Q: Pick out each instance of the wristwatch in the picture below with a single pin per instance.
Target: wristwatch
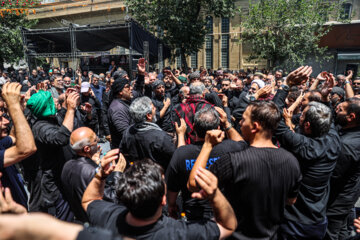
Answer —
(97, 173)
(285, 87)
(346, 82)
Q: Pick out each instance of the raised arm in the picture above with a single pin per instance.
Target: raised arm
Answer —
(95, 189)
(212, 138)
(348, 89)
(223, 212)
(25, 143)
(181, 131)
(72, 101)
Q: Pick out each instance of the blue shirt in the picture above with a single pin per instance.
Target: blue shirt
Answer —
(11, 178)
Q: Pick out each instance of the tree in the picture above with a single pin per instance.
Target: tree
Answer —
(181, 24)
(286, 32)
(12, 18)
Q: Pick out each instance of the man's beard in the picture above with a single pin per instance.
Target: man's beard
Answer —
(93, 149)
(341, 120)
(154, 119)
(168, 85)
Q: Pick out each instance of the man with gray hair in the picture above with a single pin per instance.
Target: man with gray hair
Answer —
(145, 139)
(317, 147)
(188, 109)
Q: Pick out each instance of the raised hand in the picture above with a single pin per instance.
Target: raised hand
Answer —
(7, 204)
(108, 163)
(222, 114)
(214, 137)
(207, 182)
(181, 130)
(263, 92)
(299, 76)
(11, 93)
(72, 100)
(328, 85)
(141, 66)
(121, 164)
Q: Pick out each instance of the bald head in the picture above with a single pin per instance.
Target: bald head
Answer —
(81, 137)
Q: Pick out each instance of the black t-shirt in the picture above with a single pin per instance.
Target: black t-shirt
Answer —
(257, 182)
(11, 178)
(111, 216)
(179, 169)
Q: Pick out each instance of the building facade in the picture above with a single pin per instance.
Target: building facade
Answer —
(222, 47)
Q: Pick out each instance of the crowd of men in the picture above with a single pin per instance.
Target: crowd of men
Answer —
(194, 155)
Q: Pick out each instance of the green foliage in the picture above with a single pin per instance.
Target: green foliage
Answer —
(286, 32)
(12, 18)
(181, 22)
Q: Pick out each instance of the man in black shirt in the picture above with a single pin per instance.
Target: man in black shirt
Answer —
(345, 180)
(145, 139)
(184, 158)
(142, 191)
(259, 180)
(317, 148)
(50, 139)
(163, 106)
(78, 172)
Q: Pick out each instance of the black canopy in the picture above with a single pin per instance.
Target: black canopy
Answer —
(58, 41)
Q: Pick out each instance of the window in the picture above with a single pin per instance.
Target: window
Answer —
(194, 60)
(178, 60)
(209, 43)
(225, 27)
(346, 11)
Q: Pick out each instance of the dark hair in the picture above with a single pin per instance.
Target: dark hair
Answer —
(206, 119)
(294, 95)
(319, 117)
(54, 76)
(141, 188)
(314, 97)
(354, 107)
(266, 114)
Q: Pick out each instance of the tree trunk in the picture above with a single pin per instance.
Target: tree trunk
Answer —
(184, 62)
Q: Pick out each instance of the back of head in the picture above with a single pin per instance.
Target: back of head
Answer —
(206, 119)
(197, 88)
(319, 117)
(314, 96)
(266, 114)
(139, 108)
(141, 188)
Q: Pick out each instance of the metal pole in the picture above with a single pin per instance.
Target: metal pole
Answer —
(73, 46)
(146, 54)
(130, 50)
(25, 47)
(160, 57)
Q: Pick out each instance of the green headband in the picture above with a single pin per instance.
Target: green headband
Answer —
(41, 104)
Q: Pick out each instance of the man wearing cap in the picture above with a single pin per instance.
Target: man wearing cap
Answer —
(88, 98)
(337, 96)
(44, 170)
(194, 77)
(257, 90)
(120, 97)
